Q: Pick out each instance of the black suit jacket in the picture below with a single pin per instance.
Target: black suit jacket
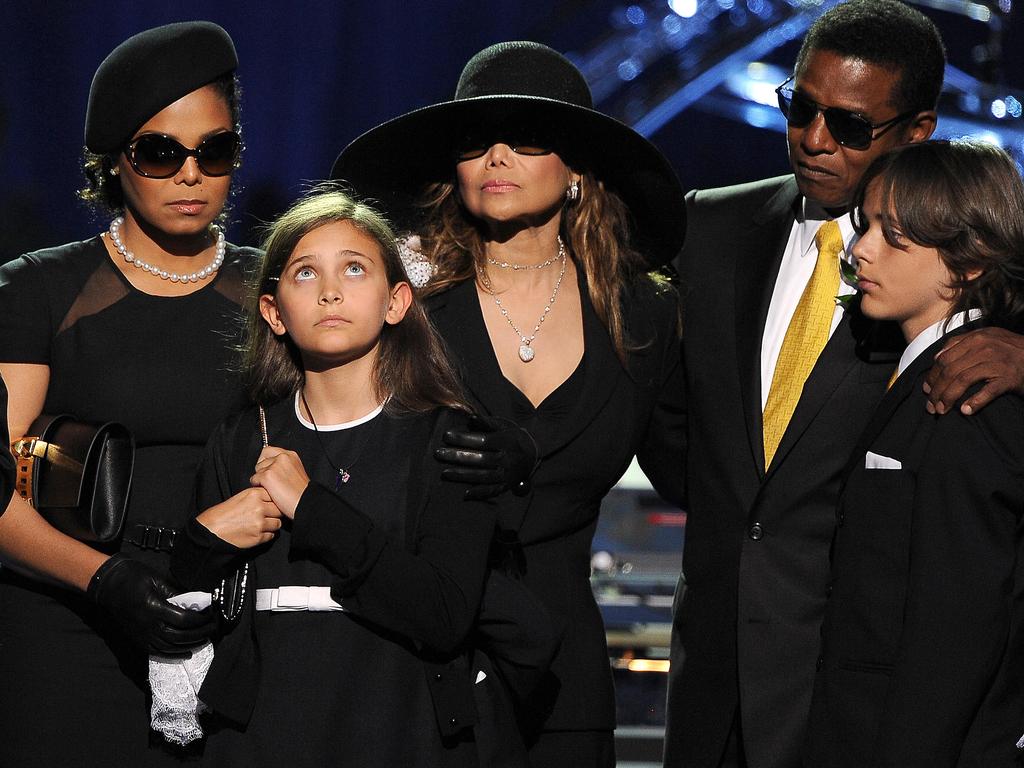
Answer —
(922, 636)
(620, 413)
(752, 593)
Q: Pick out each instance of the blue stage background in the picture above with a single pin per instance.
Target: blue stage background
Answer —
(314, 76)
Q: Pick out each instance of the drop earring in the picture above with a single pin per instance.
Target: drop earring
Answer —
(572, 194)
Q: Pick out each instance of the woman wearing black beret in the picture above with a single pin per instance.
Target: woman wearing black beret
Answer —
(135, 325)
(539, 219)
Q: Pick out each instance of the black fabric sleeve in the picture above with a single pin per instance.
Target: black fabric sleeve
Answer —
(26, 324)
(429, 594)
(6, 459)
(662, 453)
(519, 636)
(200, 559)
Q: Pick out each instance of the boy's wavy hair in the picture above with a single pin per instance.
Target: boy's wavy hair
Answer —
(965, 199)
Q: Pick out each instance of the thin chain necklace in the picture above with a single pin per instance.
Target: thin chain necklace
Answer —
(341, 473)
(516, 267)
(163, 274)
(526, 351)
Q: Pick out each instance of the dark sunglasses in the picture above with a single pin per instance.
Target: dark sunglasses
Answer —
(848, 128)
(473, 147)
(159, 157)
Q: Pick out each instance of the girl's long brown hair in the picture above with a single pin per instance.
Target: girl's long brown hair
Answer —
(412, 367)
(596, 230)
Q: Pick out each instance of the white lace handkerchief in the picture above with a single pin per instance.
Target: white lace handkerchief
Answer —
(175, 682)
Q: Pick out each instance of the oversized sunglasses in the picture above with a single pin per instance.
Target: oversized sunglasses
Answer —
(848, 128)
(473, 147)
(159, 157)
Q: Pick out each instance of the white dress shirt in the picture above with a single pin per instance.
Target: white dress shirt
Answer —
(798, 261)
(933, 333)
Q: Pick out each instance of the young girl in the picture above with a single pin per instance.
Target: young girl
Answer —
(362, 572)
(921, 662)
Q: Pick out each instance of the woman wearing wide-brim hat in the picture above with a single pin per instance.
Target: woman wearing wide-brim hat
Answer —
(135, 325)
(540, 219)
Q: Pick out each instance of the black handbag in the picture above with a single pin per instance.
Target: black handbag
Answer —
(77, 475)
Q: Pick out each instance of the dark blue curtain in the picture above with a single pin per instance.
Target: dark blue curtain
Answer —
(314, 76)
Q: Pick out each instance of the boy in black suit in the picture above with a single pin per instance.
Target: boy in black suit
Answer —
(761, 502)
(920, 659)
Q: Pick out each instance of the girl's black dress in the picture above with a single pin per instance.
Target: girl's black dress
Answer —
(404, 554)
(74, 688)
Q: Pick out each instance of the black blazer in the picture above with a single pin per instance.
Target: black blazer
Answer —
(619, 413)
(923, 632)
(752, 593)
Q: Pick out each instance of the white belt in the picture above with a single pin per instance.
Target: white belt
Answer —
(296, 599)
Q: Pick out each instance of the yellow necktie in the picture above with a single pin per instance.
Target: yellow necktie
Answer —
(805, 338)
(892, 379)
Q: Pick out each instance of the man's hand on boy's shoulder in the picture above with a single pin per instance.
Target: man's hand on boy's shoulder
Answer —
(994, 356)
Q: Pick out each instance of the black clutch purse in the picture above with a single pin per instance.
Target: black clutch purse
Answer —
(77, 475)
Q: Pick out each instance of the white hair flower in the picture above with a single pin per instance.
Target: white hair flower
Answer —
(418, 268)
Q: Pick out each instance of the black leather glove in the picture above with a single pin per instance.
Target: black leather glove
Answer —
(136, 596)
(491, 456)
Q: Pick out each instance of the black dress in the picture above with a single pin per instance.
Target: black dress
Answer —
(405, 556)
(74, 688)
(587, 431)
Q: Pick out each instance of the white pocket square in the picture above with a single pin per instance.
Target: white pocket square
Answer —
(877, 461)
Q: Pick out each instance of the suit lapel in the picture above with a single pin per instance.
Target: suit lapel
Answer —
(832, 367)
(457, 316)
(603, 373)
(901, 389)
(757, 266)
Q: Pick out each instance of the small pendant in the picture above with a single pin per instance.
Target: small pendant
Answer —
(343, 477)
(525, 353)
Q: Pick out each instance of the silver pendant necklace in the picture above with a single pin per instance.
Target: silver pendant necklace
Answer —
(341, 473)
(526, 351)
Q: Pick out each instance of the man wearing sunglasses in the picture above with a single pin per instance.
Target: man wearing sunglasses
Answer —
(781, 379)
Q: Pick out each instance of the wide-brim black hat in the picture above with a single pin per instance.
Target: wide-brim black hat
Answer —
(150, 71)
(520, 85)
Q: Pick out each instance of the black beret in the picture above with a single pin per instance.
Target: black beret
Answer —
(147, 72)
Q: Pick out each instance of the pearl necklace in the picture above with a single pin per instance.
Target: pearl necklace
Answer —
(526, 351)
(163, 274)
